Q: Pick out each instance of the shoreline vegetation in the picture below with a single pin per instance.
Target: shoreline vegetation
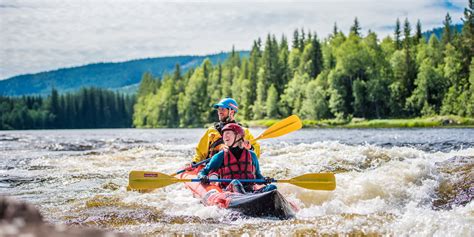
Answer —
(450, 121)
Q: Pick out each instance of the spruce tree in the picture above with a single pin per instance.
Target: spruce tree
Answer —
(296, 39)
(355, 28)
(418, 34)
(447, 36)
(397, 35)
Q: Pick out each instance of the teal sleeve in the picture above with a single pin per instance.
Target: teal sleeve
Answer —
(258, 174)
(213, 165)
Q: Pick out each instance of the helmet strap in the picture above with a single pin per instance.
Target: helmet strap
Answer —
(235, 140)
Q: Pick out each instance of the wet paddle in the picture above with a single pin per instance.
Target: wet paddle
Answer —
(281, 128)
(139, 180)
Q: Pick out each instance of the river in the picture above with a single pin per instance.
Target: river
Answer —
(409, 182)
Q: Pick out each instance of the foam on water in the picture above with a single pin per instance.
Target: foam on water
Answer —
(380, 189)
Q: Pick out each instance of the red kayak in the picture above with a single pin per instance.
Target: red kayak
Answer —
(270, 203)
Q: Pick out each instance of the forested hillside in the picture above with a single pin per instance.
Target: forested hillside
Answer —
(99, 75)
(341, 76)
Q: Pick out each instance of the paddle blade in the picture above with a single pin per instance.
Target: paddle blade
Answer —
(281, 128)
(140, 180)
(314, 181)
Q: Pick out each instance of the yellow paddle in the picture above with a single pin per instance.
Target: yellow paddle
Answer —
(281, 128)
(140, 180)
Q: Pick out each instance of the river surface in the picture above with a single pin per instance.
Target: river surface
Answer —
(399, 182)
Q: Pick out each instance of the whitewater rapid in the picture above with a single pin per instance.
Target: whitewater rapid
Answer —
(386, 185)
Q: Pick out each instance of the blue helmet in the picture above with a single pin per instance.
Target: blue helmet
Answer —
(227, 103)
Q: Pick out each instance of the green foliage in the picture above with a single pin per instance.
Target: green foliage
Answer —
(259, 105)
(355, 29)
(397, 34)
(315, 104)
(272, 101)
(337, 77)
(88, 108)
(294, 93)
(447, 34)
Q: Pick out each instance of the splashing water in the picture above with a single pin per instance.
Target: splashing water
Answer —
(389, 181)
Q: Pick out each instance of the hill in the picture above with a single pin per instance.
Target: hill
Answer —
(122, 76)
(438, 32)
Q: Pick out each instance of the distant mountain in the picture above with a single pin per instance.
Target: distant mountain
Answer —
(438, 32)
(123, 76)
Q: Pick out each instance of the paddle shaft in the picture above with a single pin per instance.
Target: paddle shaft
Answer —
(248, 180)
(229, 180)
(151, 180)
(194, 166)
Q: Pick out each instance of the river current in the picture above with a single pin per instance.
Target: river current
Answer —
(401, 182)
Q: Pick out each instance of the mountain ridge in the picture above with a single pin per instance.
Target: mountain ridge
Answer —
(108, 75)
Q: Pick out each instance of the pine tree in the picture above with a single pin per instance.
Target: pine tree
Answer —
(316, 58)
(259, 105)
(447, 36)
(296, 39)
(418, 34)
(302, 43)
(284, 67)
(53, 108)
(147, 85)
(397, 35)
(254, 65)
(410, 73)
(355, 29)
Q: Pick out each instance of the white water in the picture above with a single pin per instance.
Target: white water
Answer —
(385, 184)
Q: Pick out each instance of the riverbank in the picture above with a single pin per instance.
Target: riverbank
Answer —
(437, 121)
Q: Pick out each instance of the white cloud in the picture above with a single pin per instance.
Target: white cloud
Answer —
(40, 35)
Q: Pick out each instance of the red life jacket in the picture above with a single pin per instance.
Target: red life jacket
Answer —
(233, 168)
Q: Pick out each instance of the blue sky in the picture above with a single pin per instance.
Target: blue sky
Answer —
(41, 35)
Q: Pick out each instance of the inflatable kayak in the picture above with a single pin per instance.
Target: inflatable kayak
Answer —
(270, 203)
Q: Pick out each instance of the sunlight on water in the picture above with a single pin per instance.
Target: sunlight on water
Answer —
(78, 178)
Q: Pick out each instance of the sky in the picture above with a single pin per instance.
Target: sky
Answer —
(43, 35)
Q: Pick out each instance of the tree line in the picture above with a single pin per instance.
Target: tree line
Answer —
(342, 76)
(87, 108)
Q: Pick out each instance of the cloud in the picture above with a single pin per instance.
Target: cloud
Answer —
(39, 35)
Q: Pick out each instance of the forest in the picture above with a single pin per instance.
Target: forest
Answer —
(87, 108)
(343, 76)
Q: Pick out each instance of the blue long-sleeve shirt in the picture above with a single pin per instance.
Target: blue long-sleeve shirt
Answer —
(218, 159)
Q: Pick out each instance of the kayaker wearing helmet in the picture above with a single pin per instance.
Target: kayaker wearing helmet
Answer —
(235, 162)
(211, 142)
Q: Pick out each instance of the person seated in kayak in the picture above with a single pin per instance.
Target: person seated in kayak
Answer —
(211, 142)
(235, 162)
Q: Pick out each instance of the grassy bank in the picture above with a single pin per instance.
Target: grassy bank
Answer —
(437, 121)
